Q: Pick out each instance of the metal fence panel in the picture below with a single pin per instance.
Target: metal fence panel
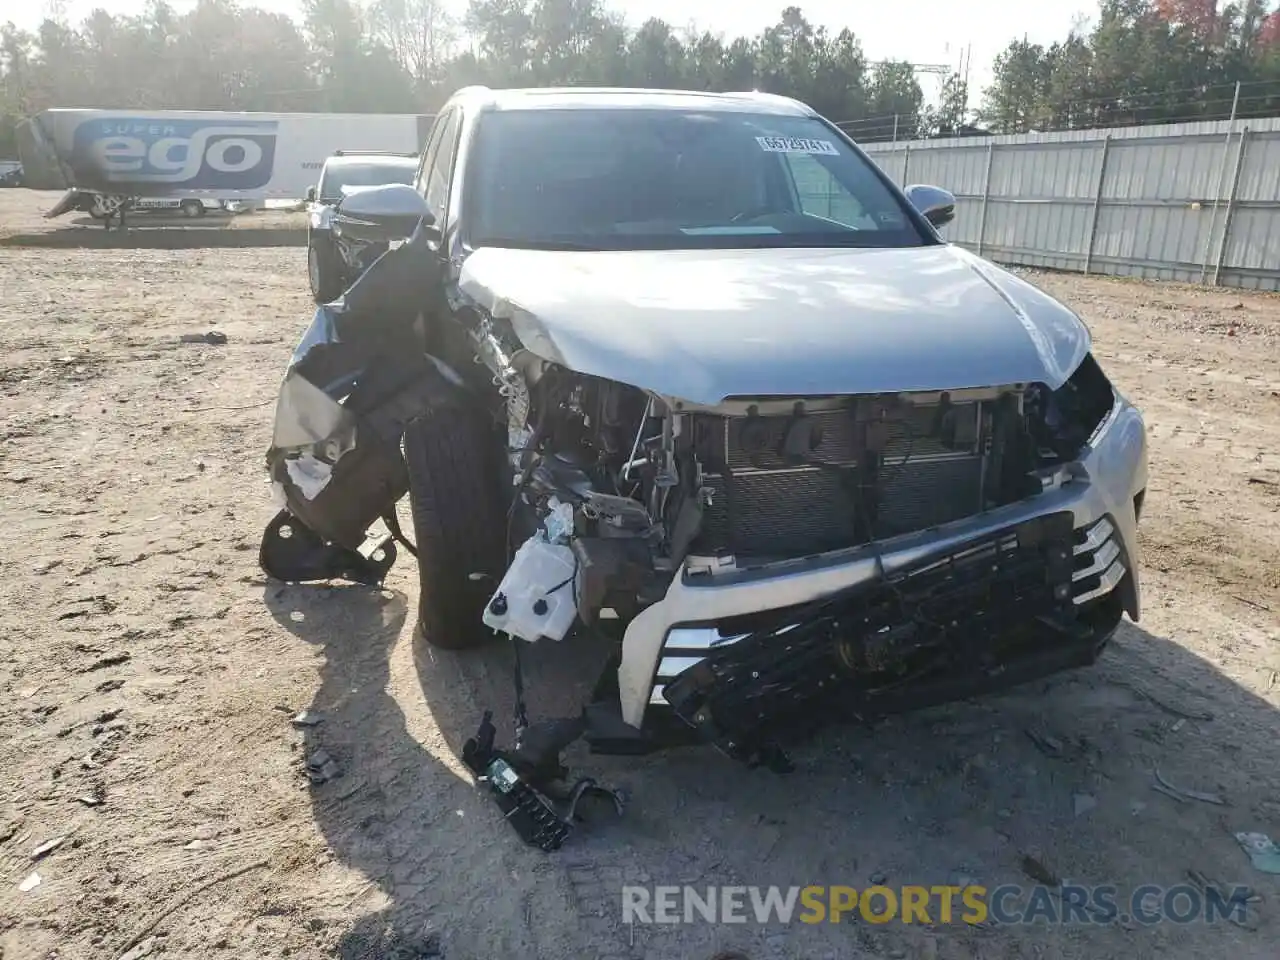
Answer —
(1197, 202)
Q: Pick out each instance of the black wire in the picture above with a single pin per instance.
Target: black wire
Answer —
(522, 715)
(568, 580)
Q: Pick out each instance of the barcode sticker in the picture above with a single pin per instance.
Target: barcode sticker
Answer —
(797, 145)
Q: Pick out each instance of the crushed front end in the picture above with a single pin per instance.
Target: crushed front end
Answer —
(777, 563)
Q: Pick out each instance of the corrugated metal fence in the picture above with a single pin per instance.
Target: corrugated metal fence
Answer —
(1198, 202)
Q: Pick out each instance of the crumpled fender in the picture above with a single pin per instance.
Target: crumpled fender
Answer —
(358, 377)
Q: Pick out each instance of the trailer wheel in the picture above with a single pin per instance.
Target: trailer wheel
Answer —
(191, 208)
(459, 521)
(324, 269)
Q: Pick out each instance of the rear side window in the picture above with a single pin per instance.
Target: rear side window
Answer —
(429, 153)
(440, 167)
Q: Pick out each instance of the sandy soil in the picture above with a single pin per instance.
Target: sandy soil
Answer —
(148, 674)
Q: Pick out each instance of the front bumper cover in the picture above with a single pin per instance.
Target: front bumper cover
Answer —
(1100, 486)
(849, 655)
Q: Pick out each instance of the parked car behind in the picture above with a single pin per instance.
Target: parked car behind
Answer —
(334, 261)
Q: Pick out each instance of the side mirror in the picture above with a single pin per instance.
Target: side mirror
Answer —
(389, 212)
(936, 205)
(311, 194)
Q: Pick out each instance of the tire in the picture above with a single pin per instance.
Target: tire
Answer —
(459, 521)
(324, 269)
(191, 208)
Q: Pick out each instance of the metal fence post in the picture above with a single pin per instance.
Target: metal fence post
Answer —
(1222, 179)
(986, 195)
(906, 162)
(1097, 202)
(1231, 205)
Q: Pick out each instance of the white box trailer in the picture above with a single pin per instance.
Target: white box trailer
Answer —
(212, 155)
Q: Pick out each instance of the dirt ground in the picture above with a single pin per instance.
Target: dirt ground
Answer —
(149, 674)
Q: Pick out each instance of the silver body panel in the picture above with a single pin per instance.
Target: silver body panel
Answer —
(704, 325)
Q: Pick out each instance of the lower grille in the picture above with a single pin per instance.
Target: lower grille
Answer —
(1098, 568)
(978, 609)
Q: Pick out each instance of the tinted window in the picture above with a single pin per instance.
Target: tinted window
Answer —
(428, 153)
(365, 173)
(437, 192)
(619, 179)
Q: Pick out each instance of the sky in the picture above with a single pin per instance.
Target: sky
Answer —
(922, 31)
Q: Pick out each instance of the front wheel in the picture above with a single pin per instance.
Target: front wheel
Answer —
(459, 522)
(324, 269)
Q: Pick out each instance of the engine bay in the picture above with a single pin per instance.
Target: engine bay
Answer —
(615, 489)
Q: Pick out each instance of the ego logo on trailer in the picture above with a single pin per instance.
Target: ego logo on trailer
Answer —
(193, 154)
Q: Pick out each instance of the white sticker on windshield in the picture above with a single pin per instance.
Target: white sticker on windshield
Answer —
(797, 145)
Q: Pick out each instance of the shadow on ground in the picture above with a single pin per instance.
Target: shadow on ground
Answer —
(955, 795)
(178, 235)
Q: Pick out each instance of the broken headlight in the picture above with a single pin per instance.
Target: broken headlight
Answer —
(1063, 421)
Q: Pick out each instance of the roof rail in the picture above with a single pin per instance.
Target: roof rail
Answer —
(372, 153)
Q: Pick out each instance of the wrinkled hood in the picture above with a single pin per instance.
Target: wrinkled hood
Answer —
(704, 325)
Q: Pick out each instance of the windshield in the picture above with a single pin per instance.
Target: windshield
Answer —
(664, 179)
(369, 173)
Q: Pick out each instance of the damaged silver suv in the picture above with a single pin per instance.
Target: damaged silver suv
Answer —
(687, 371)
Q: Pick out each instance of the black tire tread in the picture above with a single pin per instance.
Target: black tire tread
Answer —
(459, 523)
(331, 283)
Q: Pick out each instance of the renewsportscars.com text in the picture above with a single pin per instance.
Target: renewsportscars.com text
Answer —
(943, 904)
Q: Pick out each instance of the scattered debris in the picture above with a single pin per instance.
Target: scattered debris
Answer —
(114, 660)
(322, 768)
(1207, 885)
(1262, 850)
(1082, 803)
(1038, 872)
(106, 686)
(29, 884)
(1166, 707)
(878, 878)
(141, 950)
(1049, 746)
(194, 845)
(1180, 793)
(1178, 724)
(213, 337)
(1271, 682)
(90, 800)
(307, 718)
(1263, 481)
(1136, 807)
(48, 847)
(137, 939)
